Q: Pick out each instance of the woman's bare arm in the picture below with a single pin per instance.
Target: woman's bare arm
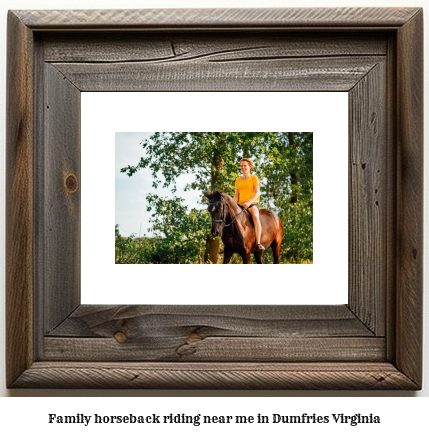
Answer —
(236, 196)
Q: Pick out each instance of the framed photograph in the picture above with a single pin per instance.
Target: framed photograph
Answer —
(373, 56)
(165, 236)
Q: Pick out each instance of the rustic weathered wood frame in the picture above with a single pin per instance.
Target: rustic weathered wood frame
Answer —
(374, 342)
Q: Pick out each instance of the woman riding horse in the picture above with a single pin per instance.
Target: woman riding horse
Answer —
(241, 230)
(247, 193)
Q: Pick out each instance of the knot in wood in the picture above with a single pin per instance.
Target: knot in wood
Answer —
(71, 183)
(193, 338)
(120, 337)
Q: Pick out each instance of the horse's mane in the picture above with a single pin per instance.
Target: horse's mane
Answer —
(230, 201)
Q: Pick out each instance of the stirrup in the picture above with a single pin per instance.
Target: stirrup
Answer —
(260, 247)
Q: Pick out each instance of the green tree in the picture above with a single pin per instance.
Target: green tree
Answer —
(289, 191)
(211, 156)
(179, 235)
(283, 162)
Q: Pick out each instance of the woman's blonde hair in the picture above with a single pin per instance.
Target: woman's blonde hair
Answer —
(248, 161)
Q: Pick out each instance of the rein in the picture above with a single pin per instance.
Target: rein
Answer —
(223, 220)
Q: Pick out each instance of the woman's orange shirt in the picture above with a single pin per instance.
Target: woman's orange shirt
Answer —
(246, 188)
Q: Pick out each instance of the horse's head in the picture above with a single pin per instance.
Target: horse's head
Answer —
(218, 211)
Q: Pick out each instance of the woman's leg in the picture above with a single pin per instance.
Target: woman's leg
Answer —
(255, 215)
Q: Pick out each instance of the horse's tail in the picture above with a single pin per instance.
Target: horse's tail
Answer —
(280, 231)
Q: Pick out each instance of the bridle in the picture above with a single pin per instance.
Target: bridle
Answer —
(225, 205)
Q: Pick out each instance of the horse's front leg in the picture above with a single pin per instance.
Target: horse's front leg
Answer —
(227, 254)
(246, 258)
(259, 258)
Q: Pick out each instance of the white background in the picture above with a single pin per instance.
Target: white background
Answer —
(401, 414)
(320, 112)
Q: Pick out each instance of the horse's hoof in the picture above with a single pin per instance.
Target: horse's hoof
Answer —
(260, 247)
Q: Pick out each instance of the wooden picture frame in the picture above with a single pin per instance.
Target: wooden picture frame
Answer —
(373, 342)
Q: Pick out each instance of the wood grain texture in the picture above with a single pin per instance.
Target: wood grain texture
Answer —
(391, 192)
(209, 18)
(368, 202)
(215, 376)
(175, 47)
(99, 321)
(410, 198)
(19, 200)
(325, 74)
(174, 348)
(39, 201)
(213, 333)
(61, 208)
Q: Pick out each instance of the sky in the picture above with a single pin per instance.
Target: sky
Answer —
(131, 192)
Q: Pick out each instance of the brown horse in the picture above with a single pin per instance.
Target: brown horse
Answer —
(235, 225)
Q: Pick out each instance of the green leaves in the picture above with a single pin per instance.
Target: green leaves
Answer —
(283, 162)
(179, 235)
